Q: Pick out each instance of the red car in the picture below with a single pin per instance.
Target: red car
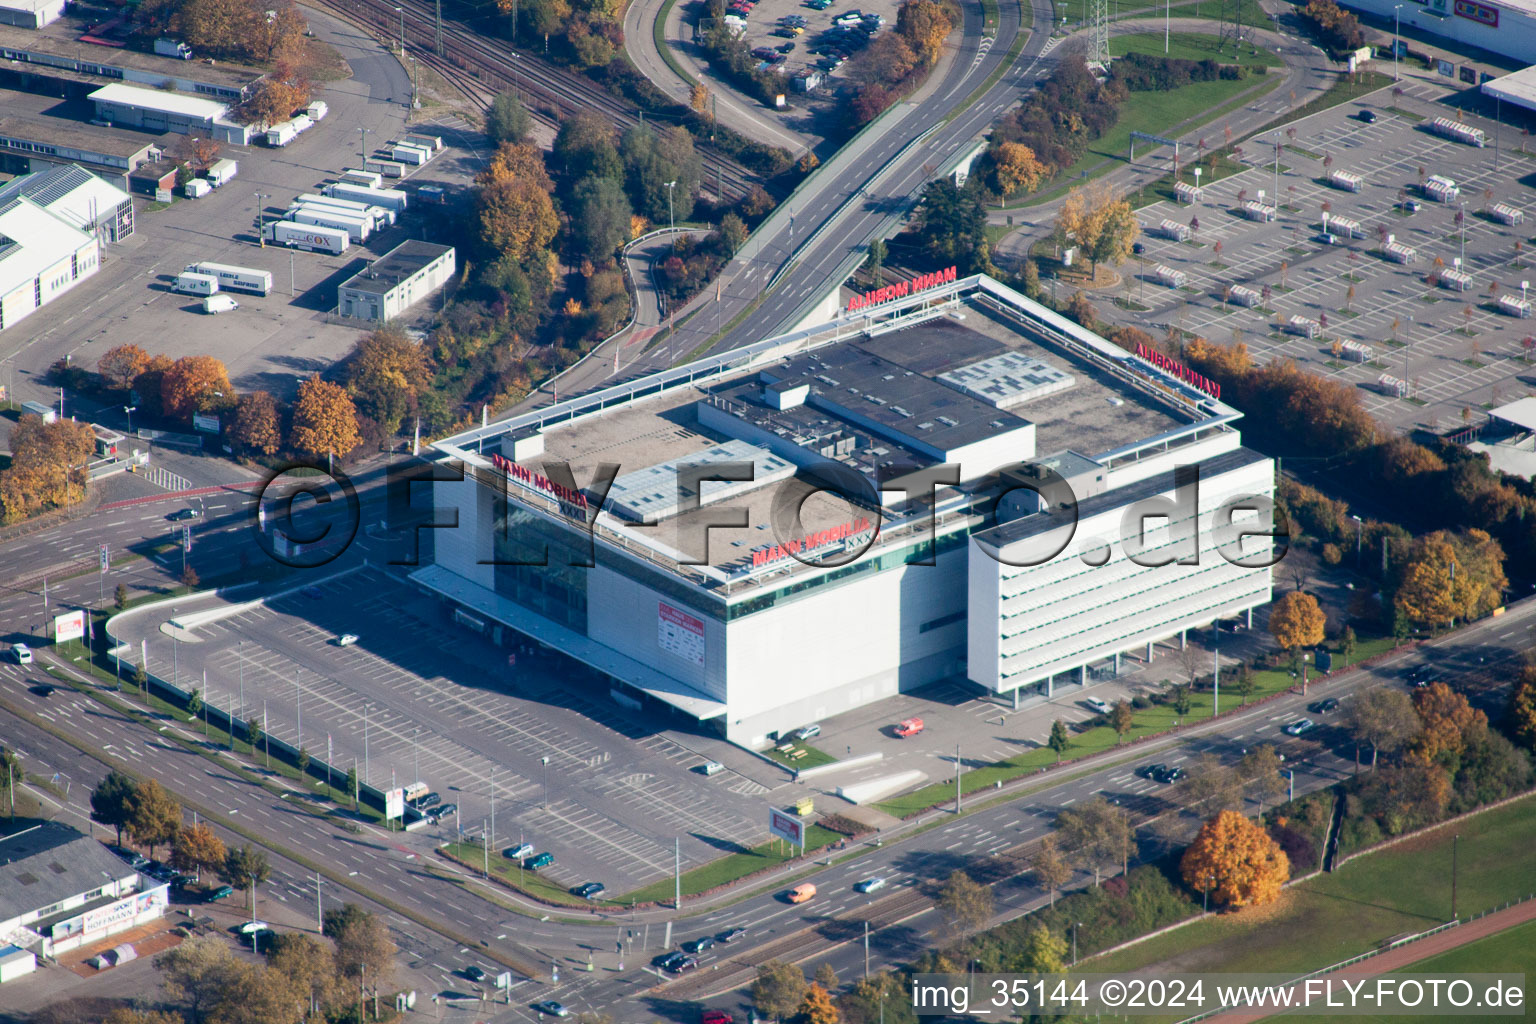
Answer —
(716, 1017)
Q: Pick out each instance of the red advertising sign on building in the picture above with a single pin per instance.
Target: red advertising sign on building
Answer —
(569, 495)
(1179, 370)
(901, 289)
(810, 542)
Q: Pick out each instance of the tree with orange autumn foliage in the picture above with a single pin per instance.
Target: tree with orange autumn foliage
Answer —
(1237, 861)
(47, 467)
(324, 420)
(517, 217)
(121, 365)
(1296, 621)
(194, 384)
(1449, 724)
(924, 24)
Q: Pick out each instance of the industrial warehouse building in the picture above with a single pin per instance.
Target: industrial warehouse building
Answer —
(394, 282)
(30, 144)
(61, 890)
(866, 506)
(33, 14)
(153, 110)
(67, 55)
(42, 256)
(79, 198)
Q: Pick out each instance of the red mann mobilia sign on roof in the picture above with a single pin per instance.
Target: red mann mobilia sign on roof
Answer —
(1179, 370)
(902, 289)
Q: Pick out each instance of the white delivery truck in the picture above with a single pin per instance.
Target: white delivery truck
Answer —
(409, 154)
(389, 198)
(190, 282)
(372, 179)
(317, 110)
(280, 135)
(357, 228)
(173, 48)
(219, 304)
(196, 188)
(309, 237)
(239, 279)
(221, 171)
(302, 123)
(388, 168)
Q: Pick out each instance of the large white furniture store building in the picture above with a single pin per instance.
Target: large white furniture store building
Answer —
(954, 484)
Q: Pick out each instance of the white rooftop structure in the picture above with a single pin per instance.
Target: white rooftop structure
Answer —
(31, 237)
(1520, 413)
(77, 197)
(654, 493)
(157, 99)
(1518, 87)
(1008, 380)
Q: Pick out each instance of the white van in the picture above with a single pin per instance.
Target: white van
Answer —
(219, 304)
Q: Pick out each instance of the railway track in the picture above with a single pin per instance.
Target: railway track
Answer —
(482, 66)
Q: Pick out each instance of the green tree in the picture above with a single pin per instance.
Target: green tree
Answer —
(141, 678)
(599, 218)
(1183, 700)
(877, 999)
(303, 762)
(1043, 952)
(507, 119)
(953, 226)
(877, 256)
(964, 903)
(587, 147)
(1059, 741)
(1522, 709)
(352, 785)
(335, 922)
(120, 597)
(1246, 683)
(154, 816)
(1121, 720)
(1260, 768)
(778, 989)
(364, 950)
(733, 232)
(246, 867)
(826, 976)
(651, 159)
(194, 705)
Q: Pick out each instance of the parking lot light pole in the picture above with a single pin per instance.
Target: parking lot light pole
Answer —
(363, 153)
(261, 225)
(1397, 30)
(1359, 537)
(546, 782)
(366, 708)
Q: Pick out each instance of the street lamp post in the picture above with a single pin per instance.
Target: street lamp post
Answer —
(1359, 537)
(1075, 926)
(1397, 30)
(1462, 217)
(363, 153)
(546, 782)
(671, 224)
(366, 708)
(402, 29)
(130, 410)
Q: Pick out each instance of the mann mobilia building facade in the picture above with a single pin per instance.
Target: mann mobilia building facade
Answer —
(949, 481)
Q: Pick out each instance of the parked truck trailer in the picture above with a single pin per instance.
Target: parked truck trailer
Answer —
(239, 279)
(190, 282)
(389, 198)
(309, 237)
(380, 216)
(357, 228)
(388, 168)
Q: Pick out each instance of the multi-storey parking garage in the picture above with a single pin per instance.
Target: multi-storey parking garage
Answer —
(954, 484)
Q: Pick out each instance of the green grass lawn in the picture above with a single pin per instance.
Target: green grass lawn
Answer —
(731, 867)
(811, 757)
(1333, 917)
(1510, 951)
(1147, 722)
(1156, 113)
(1190, 46)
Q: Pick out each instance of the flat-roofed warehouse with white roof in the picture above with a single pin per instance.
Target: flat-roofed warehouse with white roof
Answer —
(41, 257)
(1517, 87)
(1506, 27)
(917, 433)
(159, 111)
